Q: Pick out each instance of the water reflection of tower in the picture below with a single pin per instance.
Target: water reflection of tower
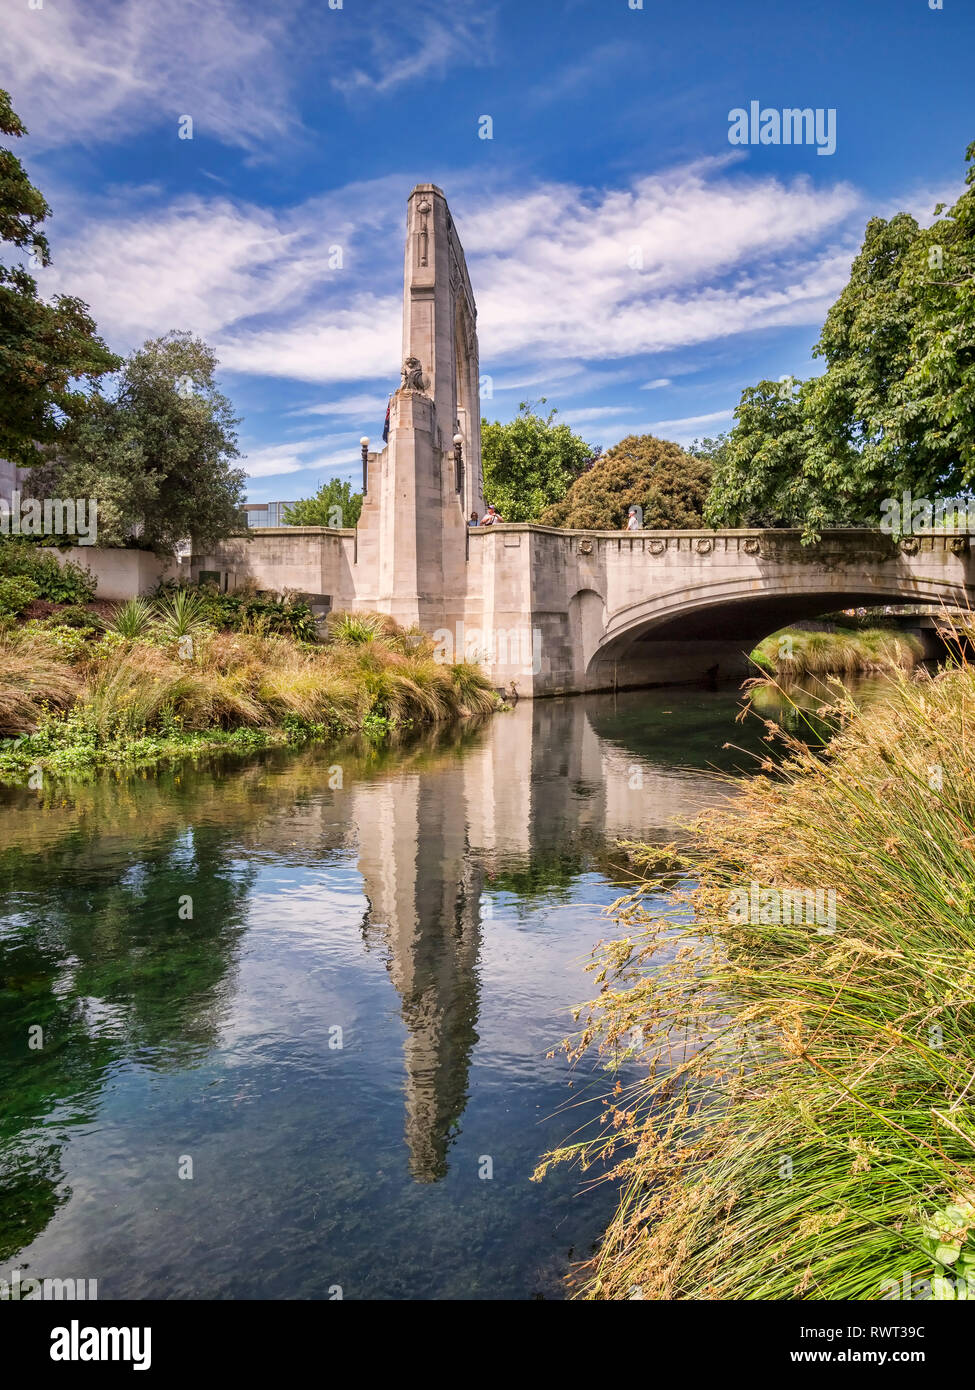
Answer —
(424, 890)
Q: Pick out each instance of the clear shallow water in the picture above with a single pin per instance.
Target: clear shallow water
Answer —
(437, 908)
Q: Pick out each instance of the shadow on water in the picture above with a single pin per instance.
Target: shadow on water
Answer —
(324, 983)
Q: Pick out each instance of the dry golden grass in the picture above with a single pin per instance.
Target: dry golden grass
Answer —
(34, 678)
(795, 1115)
(227, 680)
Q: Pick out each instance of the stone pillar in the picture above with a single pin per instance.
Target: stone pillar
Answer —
(411, 580)
(412, 535)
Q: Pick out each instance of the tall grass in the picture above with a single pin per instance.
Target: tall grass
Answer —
(34, 680)
(794, 653)
(794, 1112)
(122, 685)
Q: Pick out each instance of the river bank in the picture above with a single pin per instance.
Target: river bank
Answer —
(794, 653)
(800, 1013)
(146, 682)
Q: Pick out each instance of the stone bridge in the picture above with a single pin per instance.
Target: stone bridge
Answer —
(616, 610)
(555, 611)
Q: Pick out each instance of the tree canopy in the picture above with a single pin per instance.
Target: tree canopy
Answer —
(156, 452)
(669, 484)
(46, 349)
(334, 504)
(530, 462)
(895, 407)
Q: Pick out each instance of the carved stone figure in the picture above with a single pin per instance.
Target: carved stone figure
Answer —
(412, 375)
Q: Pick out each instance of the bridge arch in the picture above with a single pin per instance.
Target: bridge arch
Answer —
(707, 628)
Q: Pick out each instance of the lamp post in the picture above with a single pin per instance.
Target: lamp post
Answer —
(364, 444)
(458, 461)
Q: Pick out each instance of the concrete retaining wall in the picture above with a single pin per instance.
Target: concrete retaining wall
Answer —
(120, 574)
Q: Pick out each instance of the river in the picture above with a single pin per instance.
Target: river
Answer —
(295, 1008)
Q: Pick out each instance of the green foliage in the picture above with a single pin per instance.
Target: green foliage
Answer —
(134, 618)
(334, 504)
(156, 453)
(75, 615)
(182, 613)
(670, 486)
(761, 479)
(56, 582)
(45, 349)
(16, 592)
(714, 449)
(530, 462)
(66, 641)
(354, 629)
(84, 703)
(245, 610)
(947, 1238)
(895, 407)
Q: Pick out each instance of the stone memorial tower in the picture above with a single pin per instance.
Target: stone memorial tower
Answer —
(423, 486)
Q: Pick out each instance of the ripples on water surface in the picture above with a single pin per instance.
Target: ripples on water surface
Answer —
(438, 909)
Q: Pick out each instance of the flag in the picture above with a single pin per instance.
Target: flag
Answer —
(386, 425)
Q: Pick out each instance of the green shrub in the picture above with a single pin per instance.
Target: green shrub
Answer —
(68, 643)
(183, 614)
(75, 615)
(16, 592)
(354, 629)
(246, 610)
(67, 583)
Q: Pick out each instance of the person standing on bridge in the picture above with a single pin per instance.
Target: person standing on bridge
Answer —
(633, 520)
(473, 521)
(491, 516)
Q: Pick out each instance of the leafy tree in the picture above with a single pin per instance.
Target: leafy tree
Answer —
(895, 407)
(714, 450)
(530, 462)
(156, 453)
(669, 484)
(760, 479)
(334, 504)
(45, 349)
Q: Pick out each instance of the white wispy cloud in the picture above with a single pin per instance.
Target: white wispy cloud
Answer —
(357, 405)
(96, 73)
(594, 412)
(272, 460)
(100, 72)
(691, 421)
(560, 294)
(418, 39)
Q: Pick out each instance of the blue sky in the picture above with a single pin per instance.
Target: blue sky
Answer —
(629, 263)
